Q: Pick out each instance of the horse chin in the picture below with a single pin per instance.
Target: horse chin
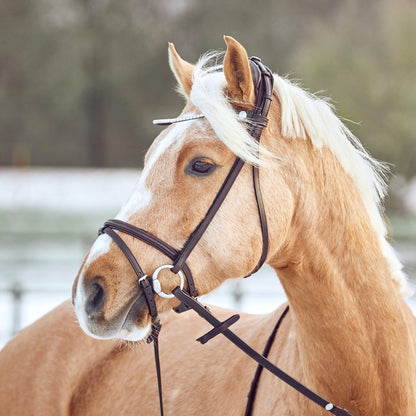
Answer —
(134, 334)
(136, 325)
(126, 333)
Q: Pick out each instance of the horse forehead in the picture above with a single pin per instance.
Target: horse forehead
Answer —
(174, 134)
(163, 145)
(171, 141)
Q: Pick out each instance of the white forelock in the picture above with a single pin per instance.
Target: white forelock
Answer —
(303, 116)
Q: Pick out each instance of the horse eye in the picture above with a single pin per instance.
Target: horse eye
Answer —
(198, 167)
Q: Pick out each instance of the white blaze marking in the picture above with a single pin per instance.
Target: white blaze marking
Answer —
(101, 246)
(140, 198)
(143, 195)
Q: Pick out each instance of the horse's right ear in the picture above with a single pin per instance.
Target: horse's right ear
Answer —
(182, 70)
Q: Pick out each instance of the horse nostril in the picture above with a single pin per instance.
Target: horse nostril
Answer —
(95, 300)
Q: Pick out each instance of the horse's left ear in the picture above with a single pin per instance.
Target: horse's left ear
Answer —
(237, 73)
(182, 70)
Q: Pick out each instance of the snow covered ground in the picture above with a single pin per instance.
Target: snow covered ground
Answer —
(49, 218)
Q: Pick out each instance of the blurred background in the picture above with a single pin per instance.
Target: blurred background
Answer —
(81, 81)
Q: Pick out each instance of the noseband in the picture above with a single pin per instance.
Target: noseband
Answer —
(256, 122)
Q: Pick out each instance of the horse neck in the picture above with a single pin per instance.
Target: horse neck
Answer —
(354, 332)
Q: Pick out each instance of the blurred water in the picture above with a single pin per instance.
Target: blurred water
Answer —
(43, 242)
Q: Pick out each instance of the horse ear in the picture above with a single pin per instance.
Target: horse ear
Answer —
(237, 72)
(182, 70)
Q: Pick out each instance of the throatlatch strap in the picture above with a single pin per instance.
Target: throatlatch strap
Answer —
(202, 311)
(263, 220)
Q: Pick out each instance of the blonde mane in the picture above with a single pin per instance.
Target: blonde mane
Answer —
(303, 116)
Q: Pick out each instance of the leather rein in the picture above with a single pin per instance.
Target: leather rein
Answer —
(256, 122)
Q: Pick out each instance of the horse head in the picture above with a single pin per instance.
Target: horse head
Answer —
(307, 184)
(183, 170)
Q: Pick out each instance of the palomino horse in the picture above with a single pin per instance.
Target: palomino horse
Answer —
(348, 335)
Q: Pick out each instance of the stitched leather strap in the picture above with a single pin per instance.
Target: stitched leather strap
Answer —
(158, 374)
(218, 329)
(203, 225)
(153, 241)
(147, 290)
(202, 311)
(263, 84)
(126, 251)
(263, 220)
(150, 299)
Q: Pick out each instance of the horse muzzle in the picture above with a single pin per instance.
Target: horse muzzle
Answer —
(100, 317)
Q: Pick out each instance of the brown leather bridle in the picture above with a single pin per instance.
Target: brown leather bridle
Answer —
(256, 122)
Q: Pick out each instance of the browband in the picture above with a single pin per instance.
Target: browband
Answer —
(167, 121)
